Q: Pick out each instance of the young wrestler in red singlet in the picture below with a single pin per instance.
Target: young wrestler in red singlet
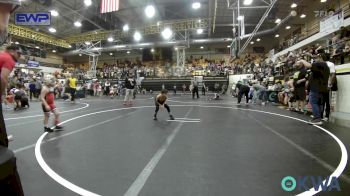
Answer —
(48, 103)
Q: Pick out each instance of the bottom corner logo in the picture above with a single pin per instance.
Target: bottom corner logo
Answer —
(290, 183)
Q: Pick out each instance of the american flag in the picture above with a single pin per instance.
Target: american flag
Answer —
(109, 6)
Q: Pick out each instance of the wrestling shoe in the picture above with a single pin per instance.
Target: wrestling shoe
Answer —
(58, 127)
(48, 129)
(171, 117)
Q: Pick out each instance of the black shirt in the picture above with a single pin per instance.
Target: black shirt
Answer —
(300, 75)
(130, 83)
(242, 87)
(319, 77)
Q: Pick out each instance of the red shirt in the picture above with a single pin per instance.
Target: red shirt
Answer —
(6, 61)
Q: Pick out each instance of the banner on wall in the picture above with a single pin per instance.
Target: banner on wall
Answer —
(33, 63)
(332, 23)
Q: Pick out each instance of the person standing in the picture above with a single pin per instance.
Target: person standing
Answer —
(318, 84)
(31, 89)
(216, 87)
(7, 63)
(204, 88)
(94, 88)
(47, 97)
(72, 85)
(11, 185)
(37, 88)
(174, 89)
(299, 84)
(129, 87)
(195, 88)
(107, 87)
(332, 86)
(184, 89)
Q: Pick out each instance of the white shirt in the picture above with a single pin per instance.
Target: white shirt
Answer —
(331, 67)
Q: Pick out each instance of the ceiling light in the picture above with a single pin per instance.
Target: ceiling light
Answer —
(294, 5)
(110, 39)
(52, 30)
(111, 54)
(80, 55)
(228, 46)
(128, 52)
(88, 43)
(70, 46)
(137, 36)
(199, 31)
(141, 48)
(77, 24)
(302, 16)
(167, 33)
(175, 48)
(199, 20)
(54, 13)
(87, 2)
(17, 43)
(196, 5)
(251, 42)
(258, 40)
(278, 21)
(126, 27)
(37, 47)
(152, 50)
(201, 47)
(240, 17)
(247, 2)
(322, 1)
(150, 11)
(54, 51)
(277, 35)
(287, 27)
(158, 23)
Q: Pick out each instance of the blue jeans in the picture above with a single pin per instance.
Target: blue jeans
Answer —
(316, 104)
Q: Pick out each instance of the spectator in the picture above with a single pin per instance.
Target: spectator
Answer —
(32, 89)
(107, 87)
(332, 86)
(129, 85)
(299, 83)
(184, 89)
(318, 86)
(195, 88)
